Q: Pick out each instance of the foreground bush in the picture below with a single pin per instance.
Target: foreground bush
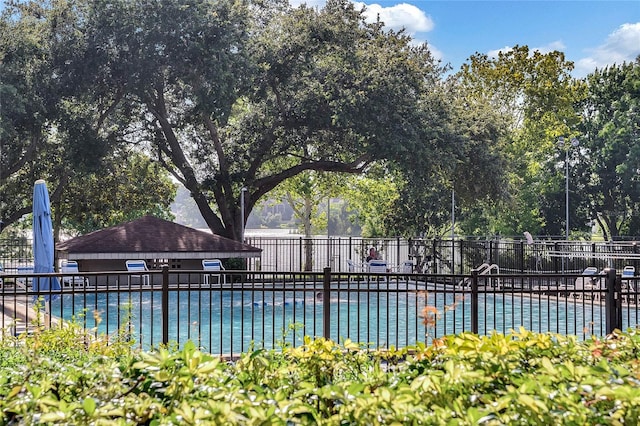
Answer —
(523, 378)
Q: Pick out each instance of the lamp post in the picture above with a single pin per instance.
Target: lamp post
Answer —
(453, 230)
(242, 192)
(328, 218)
(561, 144)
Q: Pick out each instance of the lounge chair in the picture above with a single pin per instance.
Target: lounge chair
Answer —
(24, 281)
(586, 283)
(406, 267)
(354, 268)
(629, 282)
(211, 266)
(138, 266)
(71, 267)
(377, 266)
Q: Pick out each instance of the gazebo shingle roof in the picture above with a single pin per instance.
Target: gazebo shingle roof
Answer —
(156, 238)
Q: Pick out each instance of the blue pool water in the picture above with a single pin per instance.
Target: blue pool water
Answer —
(229, 321)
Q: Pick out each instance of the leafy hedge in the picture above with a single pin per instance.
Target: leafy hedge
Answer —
(61, 377)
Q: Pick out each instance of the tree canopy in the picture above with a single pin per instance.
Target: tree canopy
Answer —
(50, 129)
(609, 156)
(224, 95)
(228, 95)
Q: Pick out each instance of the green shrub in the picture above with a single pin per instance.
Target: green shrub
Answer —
(60, 376)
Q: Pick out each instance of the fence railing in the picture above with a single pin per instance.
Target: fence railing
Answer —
(429, 256)
(438, 256)
(270, 310)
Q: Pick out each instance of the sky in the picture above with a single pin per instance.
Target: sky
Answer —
(592, 34)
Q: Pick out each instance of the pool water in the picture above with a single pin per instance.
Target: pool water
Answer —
(231, 321)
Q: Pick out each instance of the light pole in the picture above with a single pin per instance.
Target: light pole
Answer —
(453, 229)
(242, 192)
(561, 144)
(328, 218)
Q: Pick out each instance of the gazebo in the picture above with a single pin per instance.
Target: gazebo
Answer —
(157, 241)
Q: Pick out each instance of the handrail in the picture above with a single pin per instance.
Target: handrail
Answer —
(483, 269)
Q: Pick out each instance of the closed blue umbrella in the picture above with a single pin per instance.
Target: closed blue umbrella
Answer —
(43, 239)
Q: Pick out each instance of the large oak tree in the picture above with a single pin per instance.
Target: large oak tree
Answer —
(229, 94)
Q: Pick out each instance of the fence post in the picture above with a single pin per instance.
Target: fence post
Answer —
(613, 309)
(474, 301)
(326, 303)
(165, 304)
(491, 248)
(434, 259)
(618, 298)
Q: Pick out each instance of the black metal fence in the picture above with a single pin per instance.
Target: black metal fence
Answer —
(270, 310)
(430, 256)
(444, 256)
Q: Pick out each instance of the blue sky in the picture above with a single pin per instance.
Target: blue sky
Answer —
(590, 33)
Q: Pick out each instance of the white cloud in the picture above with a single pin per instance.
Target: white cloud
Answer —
(399, 16)
(554, 45)
(548, 48)
(623, 45)
(396, 17)
(310, 3)
(494, 53)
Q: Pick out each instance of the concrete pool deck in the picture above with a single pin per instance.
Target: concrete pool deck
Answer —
(19, 315)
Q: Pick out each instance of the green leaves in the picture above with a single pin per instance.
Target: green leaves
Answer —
(523, 378)
(610, 152)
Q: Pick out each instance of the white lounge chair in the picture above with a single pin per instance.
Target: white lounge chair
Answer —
(377, 266)
(406, 267)
(138, 266)
(24, 281)
(211, 266)
(354, 268)
(71, 267)
(628, 274)
(586, 283)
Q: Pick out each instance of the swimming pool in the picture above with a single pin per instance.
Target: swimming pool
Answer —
(226, 321)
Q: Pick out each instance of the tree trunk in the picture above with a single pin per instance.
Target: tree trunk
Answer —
(308, 245)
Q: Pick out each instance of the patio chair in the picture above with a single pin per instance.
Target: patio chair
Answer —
(138, 266)
(23, 281)
(70, 267)
(377, 266)
(405, 267)
(354, 268)
(211, 266)
(629, 282)
(586, 283)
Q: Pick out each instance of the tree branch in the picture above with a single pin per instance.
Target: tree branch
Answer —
(266, 184)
